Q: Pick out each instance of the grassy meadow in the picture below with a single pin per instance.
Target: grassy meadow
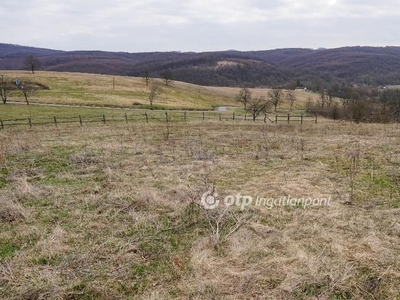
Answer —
(128, 92)
(115, 211)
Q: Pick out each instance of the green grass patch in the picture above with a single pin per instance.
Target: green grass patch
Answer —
(7, 249)
(47, 261)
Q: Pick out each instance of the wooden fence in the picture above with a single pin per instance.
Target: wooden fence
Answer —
(155, 116)
(296, 118)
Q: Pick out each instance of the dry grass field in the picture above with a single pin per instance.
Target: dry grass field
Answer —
(115, 91)
(114, 211)
(128, 92)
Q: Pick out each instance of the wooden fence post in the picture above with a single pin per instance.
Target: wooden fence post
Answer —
(184, 115)
(316, 118)
(104, 119)
(126, 118)
(203, 115)
(1, 124)
(147, 117)
(166, 116)
(30, 121)
(265, 118)
(288, 118)
(276, 119)
(80, 120)
(55, 121)
(301, 119)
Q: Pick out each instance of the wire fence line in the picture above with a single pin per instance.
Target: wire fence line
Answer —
(156, 116)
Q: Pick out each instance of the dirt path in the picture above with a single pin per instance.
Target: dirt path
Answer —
(92, 107)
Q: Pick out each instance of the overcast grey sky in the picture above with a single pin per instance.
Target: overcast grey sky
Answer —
(198, 25)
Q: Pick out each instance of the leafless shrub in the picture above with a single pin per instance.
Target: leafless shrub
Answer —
(154, 90)
(224, 222)
(10, 211)
(353, 169)
(199, 151)
(25, 173)
(302, 148)
(84, 158)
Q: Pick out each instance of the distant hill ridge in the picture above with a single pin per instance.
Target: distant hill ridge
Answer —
(370, 66)
(10, 51)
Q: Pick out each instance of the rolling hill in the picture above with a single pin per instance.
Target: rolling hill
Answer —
(370, 66)
(95, 90)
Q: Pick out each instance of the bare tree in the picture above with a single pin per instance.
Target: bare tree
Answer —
(154, 88)
(167, 76)
(5, 87)
(27, 92)
(322, 95)
(27, 89)
(332, 93)
(32, 63)
(276, 97)
(322, 99)
(146, 76)
(291, 97)
(244, 97)
(257, 105)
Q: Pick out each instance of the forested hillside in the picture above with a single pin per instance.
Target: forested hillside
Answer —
(371, 66)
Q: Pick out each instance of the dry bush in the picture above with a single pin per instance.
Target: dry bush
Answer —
(11, 211)
(84, 158)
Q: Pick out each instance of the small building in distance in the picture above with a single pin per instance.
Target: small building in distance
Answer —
(301, 88)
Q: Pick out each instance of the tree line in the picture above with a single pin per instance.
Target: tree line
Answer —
(257, 105)
(359, 104)
(338, 100)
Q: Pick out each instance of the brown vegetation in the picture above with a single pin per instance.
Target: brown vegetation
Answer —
(113, 212)
(372, 66)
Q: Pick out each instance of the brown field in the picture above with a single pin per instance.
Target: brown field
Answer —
(113, 211)
(129, 92)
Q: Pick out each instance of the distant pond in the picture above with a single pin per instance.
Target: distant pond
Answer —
(221, 108)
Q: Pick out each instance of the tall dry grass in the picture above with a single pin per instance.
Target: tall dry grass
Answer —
(113, 212)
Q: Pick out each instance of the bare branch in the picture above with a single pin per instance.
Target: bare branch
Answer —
(244, 96)
(32, 63)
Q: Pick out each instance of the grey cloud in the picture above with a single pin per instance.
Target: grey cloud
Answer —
(194, 25)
